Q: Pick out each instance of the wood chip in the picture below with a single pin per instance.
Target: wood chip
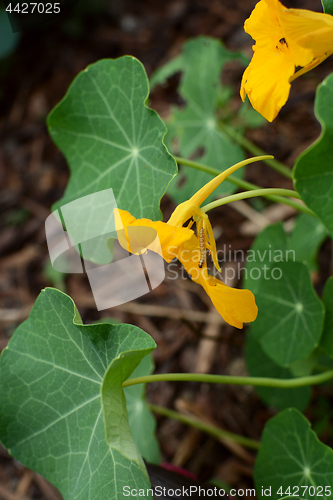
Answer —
(259, 220)
(187, 447)
(5, 494)
(25, 482)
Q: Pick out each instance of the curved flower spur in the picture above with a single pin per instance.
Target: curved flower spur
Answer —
(174, 240)
(286, 40)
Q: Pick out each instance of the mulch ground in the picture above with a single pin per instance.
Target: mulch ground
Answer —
(33, 175)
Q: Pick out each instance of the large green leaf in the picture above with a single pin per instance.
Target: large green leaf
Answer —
(313, 173)
(111, 139)
(328, 6)
(51, 412)
(291, 455)
(273, 246)
(306, 238)
(268, 249)
(260, 365)
(141, 419)
(196, 125)
(290, 316)
(326, 342)
(280, 322)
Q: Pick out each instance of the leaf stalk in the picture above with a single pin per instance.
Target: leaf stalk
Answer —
(300, 207)
(255, 150)
(210, 429)
(250, 194)
(229, 379)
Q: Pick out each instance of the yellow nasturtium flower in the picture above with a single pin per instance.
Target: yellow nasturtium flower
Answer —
(286, 40)
(235, 306)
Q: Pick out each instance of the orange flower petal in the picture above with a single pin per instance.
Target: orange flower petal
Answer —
(263, 24)
(285, 39)
(235, 306)
(136, 235)
(266, 80)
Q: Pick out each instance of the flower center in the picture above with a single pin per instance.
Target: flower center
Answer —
(282, 45)
(205, 236)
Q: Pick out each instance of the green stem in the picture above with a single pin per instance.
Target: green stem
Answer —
(210, 429)
(255, 150)
(228, 379)
(249, 194)
(244, 185)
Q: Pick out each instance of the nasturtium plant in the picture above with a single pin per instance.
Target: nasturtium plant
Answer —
(63, 410)
(292, 461)
(73, 405)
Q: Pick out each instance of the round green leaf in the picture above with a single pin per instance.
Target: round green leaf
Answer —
(306, 238)
(111, 139)
(196, 125)
(273, 246)
(313, 174)
(270, 247)
(291, 455)
(290, 317)
(59, 378)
